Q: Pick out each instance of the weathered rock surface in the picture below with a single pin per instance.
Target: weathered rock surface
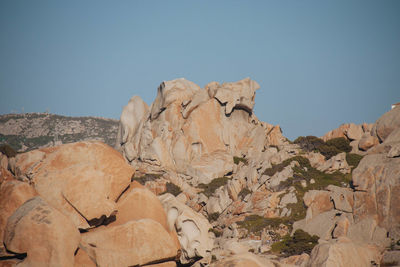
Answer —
(367, 141)
(336, 163)
(343, 252)
(12, 195)
(246, 260)
(350, 131)
(82, 259)
(385, 125)
(377, 181)
(55, 236)
(139, 203)
(192, 229)
(134, 243)
(60, 174)
(195, 131)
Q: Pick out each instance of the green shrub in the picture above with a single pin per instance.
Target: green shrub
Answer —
(300, 242)
(209, 189)
(279, 167)
(8, 151)
(173, 189)
(328, 151)
(244, 192)
(309, 143)
(146, 178)
(353, 160)
(329, 148)
(213, 216)
(255, 223)
(306, 172)
(340, 143)
(236, 160)
(216, 232)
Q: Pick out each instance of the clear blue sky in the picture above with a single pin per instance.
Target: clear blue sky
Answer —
(319, 63)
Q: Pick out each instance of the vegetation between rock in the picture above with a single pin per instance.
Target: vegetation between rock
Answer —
(300, 242)
(209, 189)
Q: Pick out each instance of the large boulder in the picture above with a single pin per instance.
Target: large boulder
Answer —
(140, 203)
(385, 125)
(134, 243)
(192, 229)
(195, 131)
(83, 180)
(246, 260)
(47, 236)
(367, 141)
(377, 181)
(132, 118)
(343, 252)
(12, 195)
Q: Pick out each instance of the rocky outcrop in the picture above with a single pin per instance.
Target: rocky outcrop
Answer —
(386, 124)
(360, 136)
(377, 181)
(350, 131)
(134, 243)
(86, 186)
(195, 131)
(61, 173)
(192, 229)
(343, 252)
(53, 237)
(12, 195)
(246, 260)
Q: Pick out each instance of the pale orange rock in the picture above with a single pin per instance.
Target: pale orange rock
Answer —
(133, 243)
(317, 201)
(386, 124)
(367, 141)
(5, 175)
(336, 133)
(53, 238)
(192, 229)
(377, 182)
(164, 264)
(12, 195)
(82, 180)
(139, 203)
(343, 252)
(197, 131)
(82, 259)
(298, 260)
(245, 260)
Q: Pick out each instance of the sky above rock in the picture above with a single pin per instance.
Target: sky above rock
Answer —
(319, 63)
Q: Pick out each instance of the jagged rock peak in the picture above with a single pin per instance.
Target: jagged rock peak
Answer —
(195, 131)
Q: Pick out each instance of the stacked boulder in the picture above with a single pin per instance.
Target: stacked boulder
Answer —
(362, 136)
(75, 205)
(195, 131)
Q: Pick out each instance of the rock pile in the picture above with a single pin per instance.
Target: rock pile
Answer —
(200, 181)
(75, 205)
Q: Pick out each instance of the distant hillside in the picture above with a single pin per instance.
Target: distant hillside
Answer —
(29, 131)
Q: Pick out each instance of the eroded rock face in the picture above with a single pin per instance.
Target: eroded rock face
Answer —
(385, 125)
(195, 131)
(82, 180)
(192, 229)
(377, 181)
(134, 243)
(12, 195)
(55, 236)
(246, 260)
(343, 252)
